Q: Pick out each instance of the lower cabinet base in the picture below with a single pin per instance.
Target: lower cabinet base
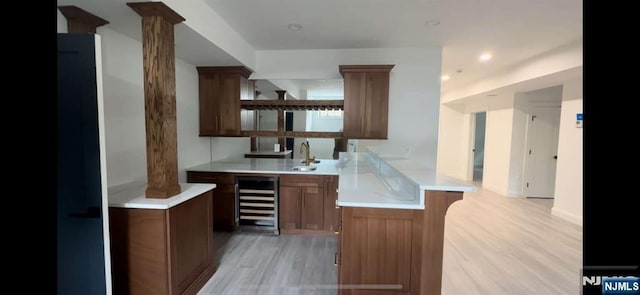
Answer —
(163, 252)
(393, 251)
(201, 280)
(306, 232)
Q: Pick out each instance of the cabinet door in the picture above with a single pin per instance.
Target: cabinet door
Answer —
(224, 199)
(313, 208)
(355, 88)
(229, 104)
(376, 105)
(330, 203)
(191, 242)
(366, 101)
(381, 247)
(220, 91)
(209, 87)
(289, 205)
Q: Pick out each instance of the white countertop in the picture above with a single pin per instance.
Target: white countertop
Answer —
(402, 187)
(132, 195)
(395, 182)
(266, 166)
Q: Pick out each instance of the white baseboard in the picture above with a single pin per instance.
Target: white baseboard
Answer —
(495, 190)
(566, 216)
(514, 194)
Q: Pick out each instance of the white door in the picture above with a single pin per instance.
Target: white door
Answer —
(541, 153)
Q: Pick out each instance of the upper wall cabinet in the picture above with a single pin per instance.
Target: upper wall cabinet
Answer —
(366, 100)
(221, 89)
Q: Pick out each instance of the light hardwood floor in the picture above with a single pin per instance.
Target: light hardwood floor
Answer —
(493, 245)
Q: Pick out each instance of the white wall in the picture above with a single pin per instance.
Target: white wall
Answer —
(62, 22)
(124, 111)
(498, 150)
(414, 88)
(124, 107)
(568, 192)
(192, 149)
(518, 146)
(454, 143)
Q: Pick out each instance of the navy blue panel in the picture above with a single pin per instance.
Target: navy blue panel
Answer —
(80, 233)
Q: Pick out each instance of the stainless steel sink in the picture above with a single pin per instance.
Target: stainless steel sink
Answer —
(314, 161)
(304, 168)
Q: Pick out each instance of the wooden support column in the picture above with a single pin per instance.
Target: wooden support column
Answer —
(281, 96)
(254, 140)
(436, 204)
(159, 97)
(80, 21)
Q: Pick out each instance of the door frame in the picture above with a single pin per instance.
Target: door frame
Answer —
(526, 159)
(472, 140)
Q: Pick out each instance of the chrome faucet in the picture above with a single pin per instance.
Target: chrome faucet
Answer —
(307, 159)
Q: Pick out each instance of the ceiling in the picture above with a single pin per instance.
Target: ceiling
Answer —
(513, 30)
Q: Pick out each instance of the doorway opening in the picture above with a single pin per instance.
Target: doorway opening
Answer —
(479, 131)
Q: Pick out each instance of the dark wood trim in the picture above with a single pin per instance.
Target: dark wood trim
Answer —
(254, 143)
(254, 156)
(311, 134)
(282, 94)
(292, 105)
(200, 281)
(80, 20)
(364, 68)
(306, 232)
(436, 204)
(148, 9)
(244, 72)
(158, 54)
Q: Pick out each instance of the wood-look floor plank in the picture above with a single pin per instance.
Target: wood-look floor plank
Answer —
(493, 245)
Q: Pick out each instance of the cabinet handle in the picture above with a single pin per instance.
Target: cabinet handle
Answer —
(337, 207)
(336, 232)
(336, 190)
(335, 258)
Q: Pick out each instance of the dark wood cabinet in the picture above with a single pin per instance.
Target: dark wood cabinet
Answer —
(307, 204)
(289, 211)
(220, 92)
(224, 197)
(366, 101)
(331, 209)
(162, 251)
(381, 247)
(398, 248)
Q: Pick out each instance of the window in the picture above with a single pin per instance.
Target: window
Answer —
(331, 114)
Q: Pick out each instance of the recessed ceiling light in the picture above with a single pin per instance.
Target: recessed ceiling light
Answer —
(295, 27)
(432, 23)
(485, 56)
(444, 77)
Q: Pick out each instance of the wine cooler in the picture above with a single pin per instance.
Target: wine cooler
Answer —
(257, 203)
